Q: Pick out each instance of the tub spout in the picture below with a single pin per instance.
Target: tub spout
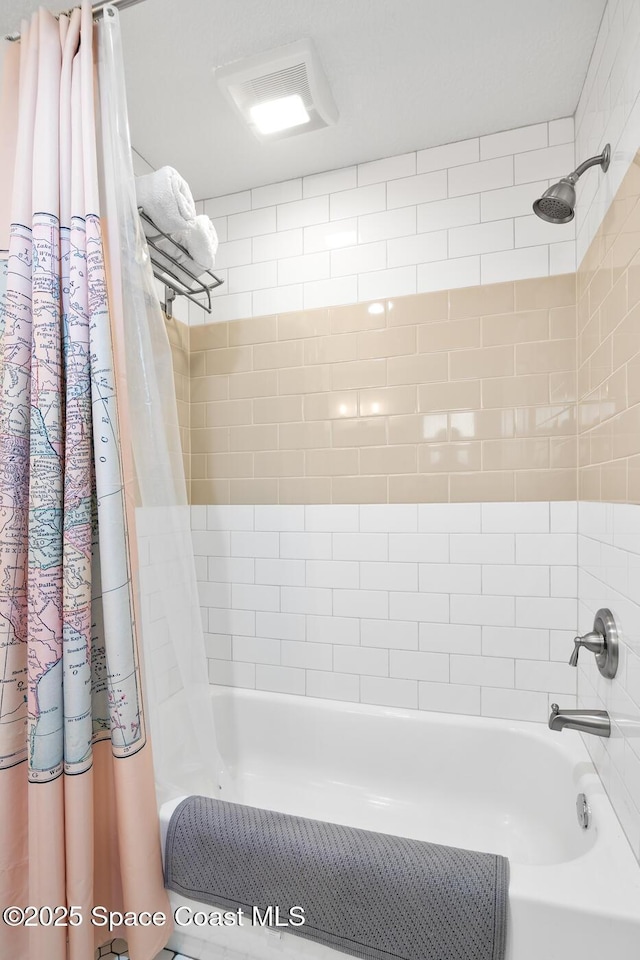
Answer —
(596, 722)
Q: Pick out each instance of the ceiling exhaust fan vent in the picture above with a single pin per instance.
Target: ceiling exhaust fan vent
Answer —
(280, 93)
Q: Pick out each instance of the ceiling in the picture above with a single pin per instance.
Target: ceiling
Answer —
(405, 74)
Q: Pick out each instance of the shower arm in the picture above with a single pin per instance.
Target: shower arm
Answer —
(602, 160)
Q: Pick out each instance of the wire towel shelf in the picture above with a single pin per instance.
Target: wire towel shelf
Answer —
(169, 268)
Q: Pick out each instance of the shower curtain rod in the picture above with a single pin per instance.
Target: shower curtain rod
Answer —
(97, 9)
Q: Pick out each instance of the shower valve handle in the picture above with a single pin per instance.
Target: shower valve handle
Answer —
(593, 641)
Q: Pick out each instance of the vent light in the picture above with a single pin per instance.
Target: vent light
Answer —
(280, 93)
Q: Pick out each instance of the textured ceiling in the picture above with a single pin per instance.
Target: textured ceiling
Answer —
(405, 74)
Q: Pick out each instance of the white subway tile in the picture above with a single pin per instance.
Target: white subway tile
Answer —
(550, 612)
(279, 518)
(531, 231)
(233, 254)
(492, 611)
(389, 518)
(310, 600)
(444, 214)
(249, 544)
(230, 570)
(564, 517)
(312, 266)
(229, 674)
(246, 596)
(432, 607)
(252, 224)
(547, 549)
(198, 514)
(450, 578)
(334, 180)
(361, 603)
(274, 246)
(450, 517)
(333, 686)
(211, 543)
(551, 163)
(253, 276)
(515, 580)
(280, 679)
(358, 259)
(481, 238)
(310, 656)
(482, 548)
(358, 202)
(387, 692)
(333, 573)
(337, 518)
(448, 155)
(365, 661)
(330, 236)
(215, 595)
(482, 671)
(423, 188)
(536, 675)
(451, 638)
(486, 175)
(397, 634)
(301, 213)
(449, 698)
(329, 293)
(280, 626)
(510, 201)
(217, 646)
(419, 666)
(520, 642)
(449, 274)
(421, 248)
(289, 573)
(564, 581)
(275, 193)
(333, 629)
(229, 204)
(514, 704)
(256, 649)
(520, 264)
(399, 282)
(305, 546)
(532, 137)
(360, 546)
(377, 171)
(562, 258)
(419, 547)
(277, 300)
(389, 576)
(235, 306)
(561, 131)
(232, 622)
(387, 225)
(522, 517)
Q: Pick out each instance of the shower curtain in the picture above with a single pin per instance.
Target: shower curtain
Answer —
(78, 807)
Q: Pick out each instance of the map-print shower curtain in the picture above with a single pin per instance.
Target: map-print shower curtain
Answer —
(78, 823)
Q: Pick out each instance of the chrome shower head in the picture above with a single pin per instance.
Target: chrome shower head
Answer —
(557, 204)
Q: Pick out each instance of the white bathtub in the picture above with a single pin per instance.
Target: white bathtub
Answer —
(501, 786)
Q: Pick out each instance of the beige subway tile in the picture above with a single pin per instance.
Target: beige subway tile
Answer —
(481, 424)
(302, 436)
(329, 406)
(416, 428)
(205, 389)
(483, 362)
(209, 491)
(589, 338)
(613, 308)
(583, 383)
(259, 383)
(272, 356)
(254, 437)
(197, 363)
(563, 452)
(613, 392)
(279, 463)
(198, 466)
(633, 479)
(419, 488)
(389, 459)
(449, 396)
(312, 379)
(515, 391)
(359, 490)
(262, 490)
(518, 454)
(624, 248)
(358, 374)
(600, 364)
(626, 338)
(230, 465)
(331, 462)
(633, 380)
(583, 314)
(563, 322)
(515, 327)
(541, 292)
(224, 413)
(277, 409)
(210, 440)
(486, 486)
(601, 284)
(358, 432)
(547, 357)
(418, 308)
(392, 342)
(388, 401)
(421, 368)
(601, 443)
(197, 415)
(589, 411)
(253, 330)
(306, 323)
(354, 317)
(333, 349)
(452, 457)
(613, 481)
(546, 421)
(209, 336)
(481, 301)
(449, 335)
(584, 450)
(626, 433)
(633, 281)
(562, 387)
(304, 490)
(546, 485)
(228, 360)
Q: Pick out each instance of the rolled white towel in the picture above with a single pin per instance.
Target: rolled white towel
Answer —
(201, 240)
(166, 198)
